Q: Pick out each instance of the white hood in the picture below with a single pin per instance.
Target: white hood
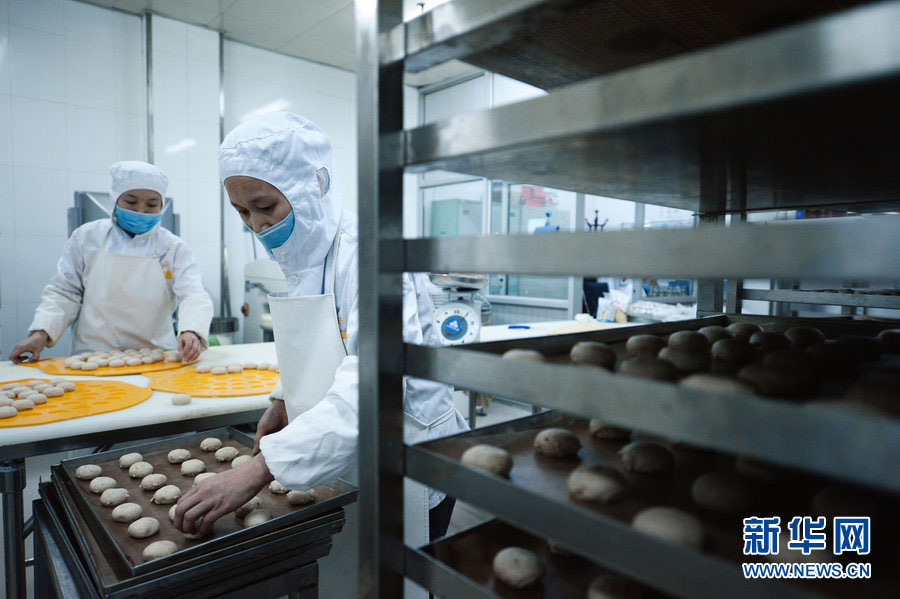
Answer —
(286, 150)
(134, 174)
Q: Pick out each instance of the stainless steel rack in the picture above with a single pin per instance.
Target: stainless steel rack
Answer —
(794, 117)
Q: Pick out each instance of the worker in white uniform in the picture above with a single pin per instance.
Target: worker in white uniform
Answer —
(279, 175)
(121, 279)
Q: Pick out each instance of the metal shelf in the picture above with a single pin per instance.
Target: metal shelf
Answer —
(800, 296)
(836, 249)
(650, 133)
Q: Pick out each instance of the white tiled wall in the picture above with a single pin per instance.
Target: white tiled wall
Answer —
(71, 104)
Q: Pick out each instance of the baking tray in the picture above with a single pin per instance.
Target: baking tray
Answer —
(228, 530)
(723, 533)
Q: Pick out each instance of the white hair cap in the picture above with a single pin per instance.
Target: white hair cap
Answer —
(134, 174)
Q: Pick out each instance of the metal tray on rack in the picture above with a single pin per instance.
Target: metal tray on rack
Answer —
(229, 532)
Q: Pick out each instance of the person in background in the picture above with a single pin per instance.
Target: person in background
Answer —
(121, 279)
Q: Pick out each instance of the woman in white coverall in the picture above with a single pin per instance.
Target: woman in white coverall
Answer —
(278, 172)
(120, 279)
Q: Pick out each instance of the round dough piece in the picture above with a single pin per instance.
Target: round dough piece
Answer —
(517, 567)
(152, 482)
(524, 355)
(143, 527)
(776, 382)
(593, 353)
(25, 392)
(277, 488)
(301, 497)
(234, 368)
(217, 370)
(257, 517)
(7, 411)
(601, 430)
(744, 330)
(173, 356)
(114, 497)
(647, 457)
(54, 392)
(253, 504)
(116, 363)
(134, 362)
(37, 398)
(87, 366)
(240, 460)
(192, 467)
(688, 340)
(166, 495)
(158, 549)
(42, 387)
(556, 443)
(180, 399)
(172, 512)
(34, 383)
(204, 368)
(686, 361)
(202, 477)
(715, 384)
(226, 454)
(127, 512)
(264, 366)
(609, 586)
(101, 483)
(714, 332)
(177, 456)
(140, 469)
(791, 359)
(130, 459)
(211, 444)
(670, 524)
(649, 367)
(803, 337)
(644, 345)
(488, 457)
(148, 360)
(721, 492)
(88, 472)
(766, 341)
(249, 365)
(596, 483)
(890, 340)
(10, 386)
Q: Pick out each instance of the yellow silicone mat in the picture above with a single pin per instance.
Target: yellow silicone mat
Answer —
(88, 398)
(198, 384)
(57, 366)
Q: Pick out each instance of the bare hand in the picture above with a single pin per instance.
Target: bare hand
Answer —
(272, 421)
(189, 346)
(33, 344)
(219, 495)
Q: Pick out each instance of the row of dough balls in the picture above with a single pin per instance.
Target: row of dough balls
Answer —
(118, 358)
(235, 367)
(16, 397)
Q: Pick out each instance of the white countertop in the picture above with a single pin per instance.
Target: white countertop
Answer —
(156, 409)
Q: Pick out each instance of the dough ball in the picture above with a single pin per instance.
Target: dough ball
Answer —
(148, 360)
(204, 368)
(102, 483)
(67, 386)
(217, 370)
(644, 345)
(646, 457)
(688, 340)
(686, 361)
(226, 454)
(600, 430)
(54, 392)
(102, 362)
(166, 495)
(34, 383)
(277, 488)
(42, 387)
(803, 337)
(834, 360)
(595, 483)
(23, 404)
(158, 549)
(10, 386)
(715, 384)
(593, 353)
(152, 482)
(37, 398)
(868, 348)
(116, 363)
(517, 567)
(744, 330)
(180, 399)
(609, 586)
(262, 366)
(487, 457)
(127, 512)
(234, 368)
(202, 477)
(143, 527)
(557, 443)
(140, 469)
(24, 392)
(192, 467)
(275, 368)
(721, 492)
(776, 382)
(890, 340)
(557, 548)
(76, 365)
(130, 459)
(649, 367)
(114, 497)
(134, 362)
(766, 341)
(301, 497)
(172, 512)
(90, 366)
(210, 444)
(758, 471)
(670, 524)
(253, 504)
(241, 459)
(7, 411)
(257, 517)
(714, 332)
(88, 472)
(176, 456)
(249, 365)
(524, 355)
(173, 356)
(791, 359)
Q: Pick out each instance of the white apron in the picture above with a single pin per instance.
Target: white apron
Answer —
(126, 304)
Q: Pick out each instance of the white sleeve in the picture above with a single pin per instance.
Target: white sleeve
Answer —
(61, 298)
(320, 444)
(195, 307)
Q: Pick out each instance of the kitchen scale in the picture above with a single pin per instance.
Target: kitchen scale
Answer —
(459, 317)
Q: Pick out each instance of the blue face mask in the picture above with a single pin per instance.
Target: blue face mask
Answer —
(136, 222)
(276, 235)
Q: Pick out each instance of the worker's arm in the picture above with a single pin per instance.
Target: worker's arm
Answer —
(195, 307)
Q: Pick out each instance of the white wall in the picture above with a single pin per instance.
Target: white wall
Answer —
(71, 104)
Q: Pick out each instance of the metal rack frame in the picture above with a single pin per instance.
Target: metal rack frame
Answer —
(700, 120)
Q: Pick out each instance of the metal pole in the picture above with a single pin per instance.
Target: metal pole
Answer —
(12, 483)
(148, 38)
(224, 289)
